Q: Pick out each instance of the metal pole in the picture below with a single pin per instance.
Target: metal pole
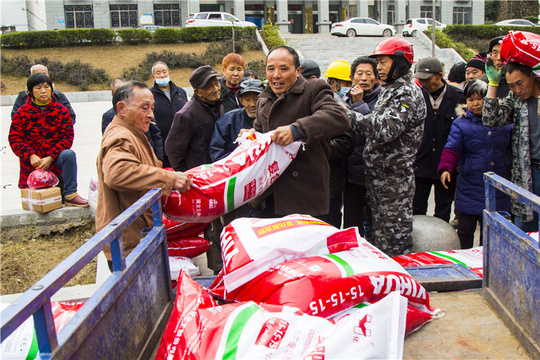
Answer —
(433, 31)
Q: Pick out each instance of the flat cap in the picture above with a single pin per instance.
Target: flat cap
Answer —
(427, 67)
(201, 75)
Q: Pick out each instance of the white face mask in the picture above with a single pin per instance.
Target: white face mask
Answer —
(343, 91)
(163, 82)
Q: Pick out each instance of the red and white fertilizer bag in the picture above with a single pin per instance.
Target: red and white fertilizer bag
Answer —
(231, 182)
(189, 247)
(469, 258)
(327, 284)
(415, 318)
(22, 343)
(41, 179)
(179, 263)
(250, 246)
(183, 229)
(198, 328)
(522, 47)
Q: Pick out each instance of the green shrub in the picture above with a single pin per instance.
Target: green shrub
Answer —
(53, 38)
(18, 65)
(166, 36)
(271, 37)
(444, 41)
(73, 72)
(258, 67)
(134, 36)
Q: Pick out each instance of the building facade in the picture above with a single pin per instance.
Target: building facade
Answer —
(296, 16)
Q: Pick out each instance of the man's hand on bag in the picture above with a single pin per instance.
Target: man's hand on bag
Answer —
(183, 182)
(282, 136)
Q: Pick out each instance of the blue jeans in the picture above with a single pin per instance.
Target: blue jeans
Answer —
(531, 226)
(67, 162)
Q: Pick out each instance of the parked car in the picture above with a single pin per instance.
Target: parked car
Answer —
(362, 26)
(151, 28)
(215, 18)
(516, 22)
(413, 26)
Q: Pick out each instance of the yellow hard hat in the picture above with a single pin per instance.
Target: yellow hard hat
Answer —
(339, 69)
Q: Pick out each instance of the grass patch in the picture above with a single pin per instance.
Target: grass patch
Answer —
(23, 263)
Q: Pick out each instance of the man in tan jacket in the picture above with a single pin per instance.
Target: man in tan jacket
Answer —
(127, 166)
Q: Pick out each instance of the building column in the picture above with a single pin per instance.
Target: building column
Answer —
(282, 16)
(363, 10)
(239, 9)
(323, 7)
(193, 6)
(447, 12)
(477, 13)
(401, 15)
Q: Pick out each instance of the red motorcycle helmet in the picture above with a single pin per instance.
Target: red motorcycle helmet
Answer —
(395, 47)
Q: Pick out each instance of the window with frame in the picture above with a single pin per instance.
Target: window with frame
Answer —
(391, 15)
(79, 16)
(427, 12)
(462, 15)
(167, 14)
(123, 15)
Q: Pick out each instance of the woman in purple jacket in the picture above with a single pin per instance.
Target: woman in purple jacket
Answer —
(477, 149)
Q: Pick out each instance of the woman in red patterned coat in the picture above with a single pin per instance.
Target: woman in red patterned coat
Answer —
(41, 135)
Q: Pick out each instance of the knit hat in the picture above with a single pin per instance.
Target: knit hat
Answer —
(478, 62)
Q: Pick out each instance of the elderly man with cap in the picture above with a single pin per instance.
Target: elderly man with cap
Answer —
(441, 101)
(188, 143)
(476, 67)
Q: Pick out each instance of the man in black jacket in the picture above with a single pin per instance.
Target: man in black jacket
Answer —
(441, 101)
(169, 99)
(188, 145)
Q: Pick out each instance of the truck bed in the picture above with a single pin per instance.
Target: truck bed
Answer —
(470, 329)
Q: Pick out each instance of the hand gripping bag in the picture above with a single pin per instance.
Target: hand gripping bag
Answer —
(198, 328)
(41, 179)
(327, 284)
(522, 47)
(231, 182)
(249, 246)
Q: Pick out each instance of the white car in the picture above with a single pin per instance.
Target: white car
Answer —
(362, 26)
(516, 22)
(413, 26)
(215, 18)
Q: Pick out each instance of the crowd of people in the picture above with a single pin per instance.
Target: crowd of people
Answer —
(379, 134)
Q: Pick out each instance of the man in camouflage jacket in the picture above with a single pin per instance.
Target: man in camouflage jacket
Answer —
(394, 132)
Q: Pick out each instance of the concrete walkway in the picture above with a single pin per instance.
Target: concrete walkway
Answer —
(325, 48)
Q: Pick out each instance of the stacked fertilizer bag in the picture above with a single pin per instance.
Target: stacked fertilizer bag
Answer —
(472, 259)
(522, 47)
(201, 329)
(22, 343)
(299, 288)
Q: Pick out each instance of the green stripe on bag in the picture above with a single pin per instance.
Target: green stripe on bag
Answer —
(348, 269)
(230, 193)
(237, 327)
(450, 258)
